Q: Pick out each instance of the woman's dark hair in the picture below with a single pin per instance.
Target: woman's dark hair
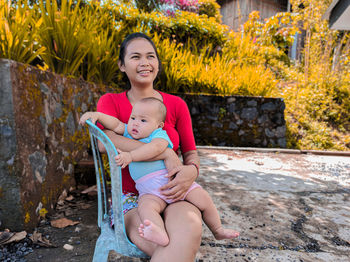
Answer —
(130, 38)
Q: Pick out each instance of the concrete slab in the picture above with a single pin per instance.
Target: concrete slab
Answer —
(288, 207)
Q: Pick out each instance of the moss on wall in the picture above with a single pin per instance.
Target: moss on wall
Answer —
(49, 140)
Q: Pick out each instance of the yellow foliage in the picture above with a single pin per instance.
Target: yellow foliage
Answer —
(27, 218)
(43, 212)
(200, 55)
(18, 32)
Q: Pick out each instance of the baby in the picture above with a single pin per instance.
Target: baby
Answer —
(145, 124)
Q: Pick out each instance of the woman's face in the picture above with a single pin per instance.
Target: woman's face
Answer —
(141, 64)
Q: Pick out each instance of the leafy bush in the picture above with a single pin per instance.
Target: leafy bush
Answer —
(186, 69)
(210, 8)
(65, 34)
(184, 25)
(145, 5)
(18, 33)
(101, 63)
(199, 55)
(318, 99)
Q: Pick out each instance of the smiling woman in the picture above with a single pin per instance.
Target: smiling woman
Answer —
(139, 60)
(141, 64)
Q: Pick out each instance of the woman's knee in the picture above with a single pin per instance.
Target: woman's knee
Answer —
(132, 222)
(190, 217)
(101, 147)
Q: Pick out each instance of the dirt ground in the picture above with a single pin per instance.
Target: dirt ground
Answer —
(287, 207)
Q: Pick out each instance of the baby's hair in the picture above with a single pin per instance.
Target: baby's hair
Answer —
(161, 106)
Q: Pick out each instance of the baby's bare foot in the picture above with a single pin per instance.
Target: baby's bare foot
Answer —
(223, 233)
(154, 233)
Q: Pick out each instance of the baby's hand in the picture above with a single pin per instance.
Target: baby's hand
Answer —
(123, 158)
(92, 115)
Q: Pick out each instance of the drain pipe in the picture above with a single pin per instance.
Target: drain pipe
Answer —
(288, 6)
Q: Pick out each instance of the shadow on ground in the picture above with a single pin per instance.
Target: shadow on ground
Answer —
(287, 208)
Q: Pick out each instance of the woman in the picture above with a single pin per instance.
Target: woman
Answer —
(138, 59)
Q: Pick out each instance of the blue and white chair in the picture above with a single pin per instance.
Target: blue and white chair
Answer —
(110, 238)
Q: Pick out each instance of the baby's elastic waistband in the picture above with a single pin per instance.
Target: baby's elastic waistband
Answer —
(151, 175)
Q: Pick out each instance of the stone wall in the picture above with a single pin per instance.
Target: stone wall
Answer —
(237, 120)
(40, 140)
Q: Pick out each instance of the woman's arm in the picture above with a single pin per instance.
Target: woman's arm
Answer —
(120, 142)
(186, 174)
(149, 150)
(126, 144)
(142, 153)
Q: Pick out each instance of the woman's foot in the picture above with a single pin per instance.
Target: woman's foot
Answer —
(223, 233)
(153, 233)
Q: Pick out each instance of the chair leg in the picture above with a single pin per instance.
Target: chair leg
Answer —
(101, 252)
(104, 243)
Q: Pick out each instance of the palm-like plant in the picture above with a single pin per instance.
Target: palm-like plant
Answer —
(102, 59)
(65, 34)
(18, 32)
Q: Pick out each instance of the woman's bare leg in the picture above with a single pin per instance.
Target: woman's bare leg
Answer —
(183, 223)
(132, 222)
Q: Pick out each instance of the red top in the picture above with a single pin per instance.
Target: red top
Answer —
(178, 124)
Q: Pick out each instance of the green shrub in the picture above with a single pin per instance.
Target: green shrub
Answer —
(199, 56)
(18, 32)
(101, 62)
(183, 26)
(65, 34)
(198, 71)
(210, 8)
(145, 5)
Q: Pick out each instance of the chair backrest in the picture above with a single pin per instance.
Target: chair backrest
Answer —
(123, 244)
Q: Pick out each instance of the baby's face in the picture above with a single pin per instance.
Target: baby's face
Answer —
(143, 120)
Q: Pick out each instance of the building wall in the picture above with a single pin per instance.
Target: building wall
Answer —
(236, 12)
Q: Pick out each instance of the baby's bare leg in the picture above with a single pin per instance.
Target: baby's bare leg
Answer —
(152, 228)
(201, 199)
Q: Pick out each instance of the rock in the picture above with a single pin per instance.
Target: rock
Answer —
(68, 247)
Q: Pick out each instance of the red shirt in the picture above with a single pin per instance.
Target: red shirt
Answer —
(178, 124)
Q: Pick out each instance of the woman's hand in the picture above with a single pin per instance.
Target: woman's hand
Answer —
(181, 176)
(181, 179)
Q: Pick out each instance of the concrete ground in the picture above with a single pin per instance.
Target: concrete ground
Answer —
(287, 207)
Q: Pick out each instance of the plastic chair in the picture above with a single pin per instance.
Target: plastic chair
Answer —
(109, 239)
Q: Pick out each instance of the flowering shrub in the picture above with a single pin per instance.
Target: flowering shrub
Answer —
(169, 7)
(210, 8)
(185, 25)
(317, 93)
(277, 31)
